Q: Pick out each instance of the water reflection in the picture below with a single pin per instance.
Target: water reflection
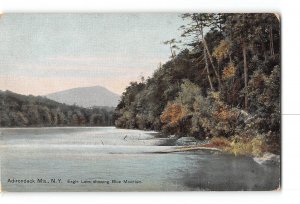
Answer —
(107, 154)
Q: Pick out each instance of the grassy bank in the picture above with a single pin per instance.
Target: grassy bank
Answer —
(239, 146)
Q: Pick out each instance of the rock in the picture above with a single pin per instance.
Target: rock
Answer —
(185, 141)
(173, 137)
(268, 158)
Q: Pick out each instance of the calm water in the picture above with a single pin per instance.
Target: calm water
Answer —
(109, 159)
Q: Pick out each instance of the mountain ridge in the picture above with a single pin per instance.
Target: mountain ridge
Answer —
(86, 96)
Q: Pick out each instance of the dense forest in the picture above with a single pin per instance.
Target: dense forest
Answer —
(222, 82)
(30, 111)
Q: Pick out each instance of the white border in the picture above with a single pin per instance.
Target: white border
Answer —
(143, 5)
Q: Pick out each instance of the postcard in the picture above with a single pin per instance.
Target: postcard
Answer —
(140, 102)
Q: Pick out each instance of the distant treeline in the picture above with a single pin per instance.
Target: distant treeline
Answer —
(34, 111)
(224, 81)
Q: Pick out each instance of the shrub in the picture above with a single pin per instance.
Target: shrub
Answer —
(220, 142)
(253, 147)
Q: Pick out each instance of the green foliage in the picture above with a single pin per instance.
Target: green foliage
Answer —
(224, 84)
(28, 111)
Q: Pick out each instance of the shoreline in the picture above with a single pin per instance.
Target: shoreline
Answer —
(181, 144)
(265, 158)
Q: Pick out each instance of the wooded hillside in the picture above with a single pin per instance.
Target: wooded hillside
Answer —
(224, 82)
(17, 110)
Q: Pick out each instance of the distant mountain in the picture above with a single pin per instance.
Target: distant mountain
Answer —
(86, 97)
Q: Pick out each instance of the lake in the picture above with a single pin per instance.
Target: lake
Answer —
(110, 159)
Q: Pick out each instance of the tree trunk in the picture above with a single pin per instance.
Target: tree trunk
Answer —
(172, 53)
(271, 41)
(207, 70)
(206, 61)
(264, 51)
(230, 58)
(245, 74)
(212, 64)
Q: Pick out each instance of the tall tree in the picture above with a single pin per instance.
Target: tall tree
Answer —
(199, 22)
(173, 46)
(239, 28)
(195, 27)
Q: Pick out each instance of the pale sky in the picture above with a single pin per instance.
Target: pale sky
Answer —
(45, 53)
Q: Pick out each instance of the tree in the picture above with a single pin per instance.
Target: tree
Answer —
(238, 27)
(196, 27)
(173, 47)
(239, 99)
(173, 116)
(45, 115)
(30, 111)
(221, 52)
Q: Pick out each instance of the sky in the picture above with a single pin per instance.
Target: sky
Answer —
(46, 53)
